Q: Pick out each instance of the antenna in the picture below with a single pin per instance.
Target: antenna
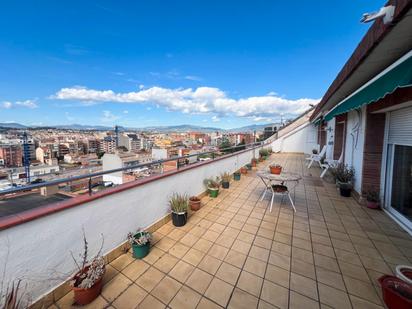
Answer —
(116, 130)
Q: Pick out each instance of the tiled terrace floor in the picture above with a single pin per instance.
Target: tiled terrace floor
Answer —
(234, 253)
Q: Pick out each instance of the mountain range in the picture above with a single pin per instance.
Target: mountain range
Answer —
(175, 128)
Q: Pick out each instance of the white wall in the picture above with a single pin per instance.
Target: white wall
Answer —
(112, 161)
(301, 139)
(40, 249)
(355, 137)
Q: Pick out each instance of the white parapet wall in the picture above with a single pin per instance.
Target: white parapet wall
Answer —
(300, 139)
(39, 250)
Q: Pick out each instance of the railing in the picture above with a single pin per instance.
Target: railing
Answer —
(214, 154)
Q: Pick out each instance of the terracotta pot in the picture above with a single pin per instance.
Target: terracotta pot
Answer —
(372, 205)
(194, 203)
(275, 170)
(243, 170)
(261, 159)
(86, 296)
(253, 163)
(396, 293)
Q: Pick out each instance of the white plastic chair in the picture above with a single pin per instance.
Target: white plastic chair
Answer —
(317, 157)
(330, 163)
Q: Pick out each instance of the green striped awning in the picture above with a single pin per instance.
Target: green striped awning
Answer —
(317, 121)
(397, 76)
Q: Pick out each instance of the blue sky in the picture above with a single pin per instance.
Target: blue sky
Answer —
(145, 63)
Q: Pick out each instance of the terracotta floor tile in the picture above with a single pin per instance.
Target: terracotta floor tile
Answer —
(326, 262)
(303, 285)
(218, 251)
(277, 275)
(166, 289)
(353, 271)
(199, 280)
(359, 303)
(330, 278)
(250, 283)
(130, 298)
(361, 289)
(259, 253)
(179, 250)
(210, 264)
(279, 260)
(166, 263)
(255, 266)
(115, 287)
(242, 300)
(165, 243)
(122, 261)
(298, 301)
(150, 279)
(203, 245)
(241, 246)
(189, 240)
(135, 269)
(275, 294)
(207, 304)
(151, 303)
(228, 273)
(303, 268)
(219, 291)
(281, 248)
(181, 271)
(235, 258)
(333, 297)
(153, 256)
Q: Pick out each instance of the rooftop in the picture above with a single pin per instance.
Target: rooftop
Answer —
(235, 253)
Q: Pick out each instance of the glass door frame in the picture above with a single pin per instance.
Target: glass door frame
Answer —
(387, 173)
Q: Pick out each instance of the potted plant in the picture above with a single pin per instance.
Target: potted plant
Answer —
(396, 293)
(140, 242)
(194, 203)
(275, 169)
(344, 176)
(212, 186)
(262, 153)
(372, 199)
(179, 204)
(236, 175)
(87, 282)
(243, 170)
(225, 180)
(249, 166)
(314, 151)
(254, 162)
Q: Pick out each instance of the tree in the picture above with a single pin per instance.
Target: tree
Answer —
(224, 145)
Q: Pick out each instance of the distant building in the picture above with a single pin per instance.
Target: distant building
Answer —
(11, 155)
(270, 130)
(93, 146)
(108, 144)
(132, 142)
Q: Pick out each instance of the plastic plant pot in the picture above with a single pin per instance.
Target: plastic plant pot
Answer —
(213, 192)
(179, 218)
(236, 176)
(84, 296)
(194, 203)
(225, 184)
(345, 189)
(275, 169)
(404, 273)
(253, 163)
(243, 170)
(372, 205)
(139, 252)
(249, 166)
(396, 293)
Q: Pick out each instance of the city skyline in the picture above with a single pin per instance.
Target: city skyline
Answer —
(199, 64)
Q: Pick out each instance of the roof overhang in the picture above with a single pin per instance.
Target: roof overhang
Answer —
(381, 47)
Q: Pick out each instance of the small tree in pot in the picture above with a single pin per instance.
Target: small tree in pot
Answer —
(372, 199)
(343, 176)
(179, 204)
(140, 242)
(212, 186)
(225, 180)
(87, 282)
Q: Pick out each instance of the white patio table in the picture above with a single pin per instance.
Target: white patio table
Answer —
(270, 181)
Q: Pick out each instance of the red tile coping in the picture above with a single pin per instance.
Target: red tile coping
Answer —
(35, 213)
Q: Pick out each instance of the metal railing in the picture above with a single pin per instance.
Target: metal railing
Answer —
(89, 176)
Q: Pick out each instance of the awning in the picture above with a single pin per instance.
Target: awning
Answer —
(317, 121)
(398, 75)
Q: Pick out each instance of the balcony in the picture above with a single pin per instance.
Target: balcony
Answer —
(235, 253)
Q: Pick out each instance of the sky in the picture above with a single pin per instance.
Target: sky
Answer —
(149, 63)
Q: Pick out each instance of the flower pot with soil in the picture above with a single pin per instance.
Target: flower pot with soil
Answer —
(254, 162)
(179, 204)
(225, 180)
(275, 169)
(140, 242)
(396, 293)
(212, 186)
(372, 199)
(343, 176)
(87, 282)
(236, 176)
(194, 203)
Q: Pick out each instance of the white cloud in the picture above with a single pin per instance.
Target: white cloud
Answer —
(202, 100)
(125, 112)
(108, 116)
(215, 119)
(27, 104)
(193, 78)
